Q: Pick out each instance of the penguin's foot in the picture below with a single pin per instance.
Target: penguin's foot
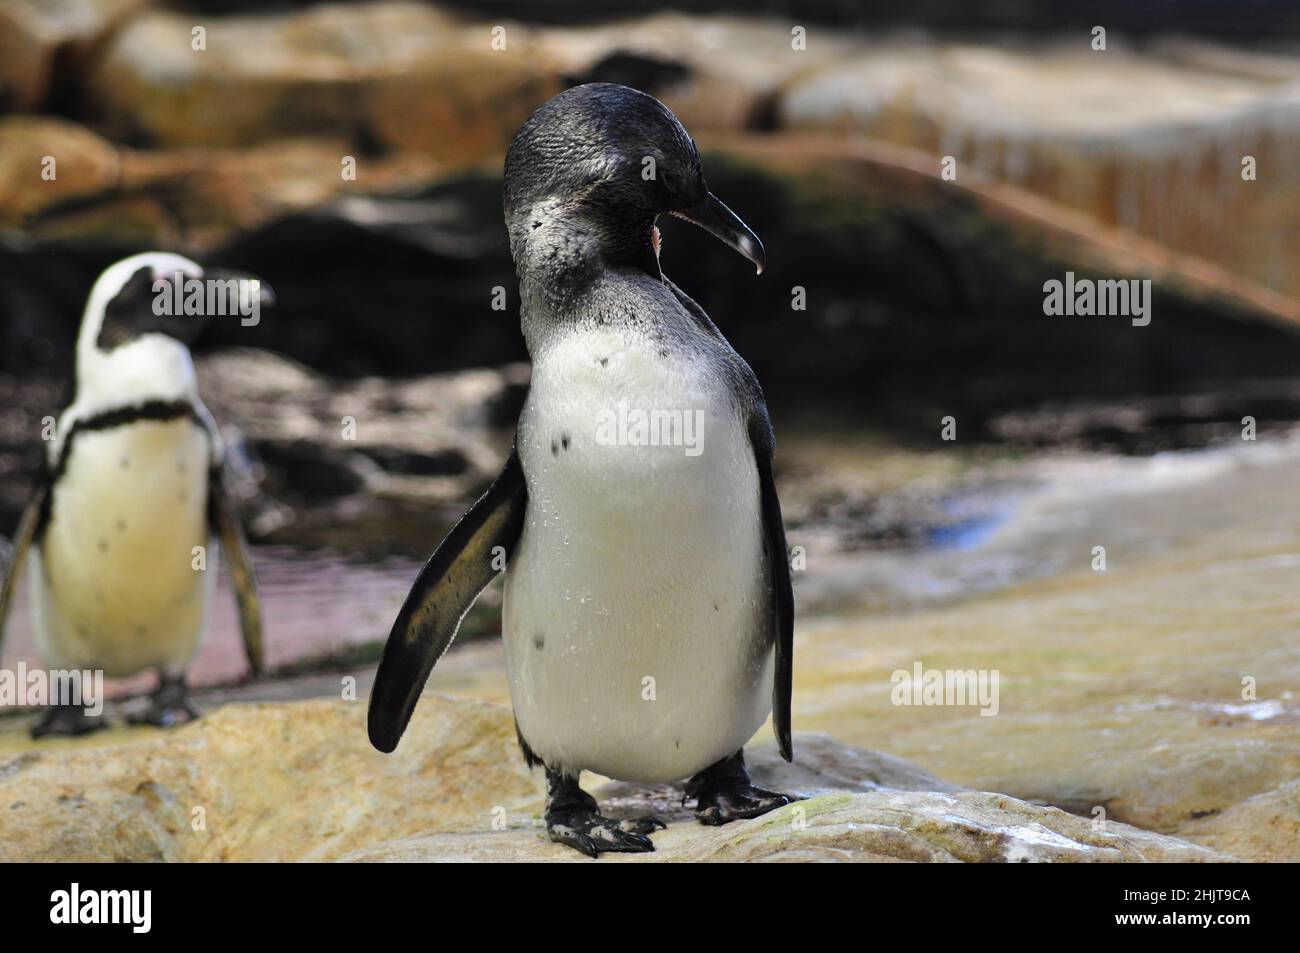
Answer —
(572, 818)
(723, 793)
(67, 721)
(169, 706)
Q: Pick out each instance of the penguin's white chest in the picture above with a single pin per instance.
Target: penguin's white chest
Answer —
(636, 619)
(116, 585)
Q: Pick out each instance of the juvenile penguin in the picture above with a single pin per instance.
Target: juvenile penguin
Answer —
(131, 485)
(648, 616)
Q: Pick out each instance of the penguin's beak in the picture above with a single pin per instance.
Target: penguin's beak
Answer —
(725, 225)
(265, 293)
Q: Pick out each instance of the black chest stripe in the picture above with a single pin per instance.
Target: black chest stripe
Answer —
(150, 410)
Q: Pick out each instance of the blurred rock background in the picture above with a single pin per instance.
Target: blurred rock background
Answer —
(924, 295)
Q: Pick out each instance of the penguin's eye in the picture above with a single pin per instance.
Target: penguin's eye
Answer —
(671, 182)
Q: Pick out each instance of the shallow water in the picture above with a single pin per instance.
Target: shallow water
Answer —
(988, 522)
(317, 604)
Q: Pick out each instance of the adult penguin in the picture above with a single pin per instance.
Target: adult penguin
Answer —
(121, 519)
(648, 614)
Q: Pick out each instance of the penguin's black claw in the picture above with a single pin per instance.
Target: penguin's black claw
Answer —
(169, 706)
(723, 806)
(593, 835)
(644, 825)
(67, 721)
(723, 793)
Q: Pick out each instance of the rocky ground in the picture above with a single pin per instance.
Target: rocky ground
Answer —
(300, 782)
(1123, 697)
(1122, 691)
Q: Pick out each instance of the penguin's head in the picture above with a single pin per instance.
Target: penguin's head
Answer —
(143, 314)
(158, 293)
(121, 310)
(591, 171)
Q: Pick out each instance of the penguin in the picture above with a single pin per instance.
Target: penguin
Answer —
(648, 613)
(130, 488)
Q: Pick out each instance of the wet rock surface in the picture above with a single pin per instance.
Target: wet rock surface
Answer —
(382, 465)
(300, 782)
(1265, 827)
(370, 462)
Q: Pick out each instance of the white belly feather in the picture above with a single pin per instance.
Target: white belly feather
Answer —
(113, 585)
(636, 620)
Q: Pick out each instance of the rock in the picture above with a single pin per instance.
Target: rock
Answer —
(434, 426)
(915, 287)
(482, 98)
(369, 71)
(280, 782)
(46, 45)
(1265, 827)
(1062, 121)
(321, 460)
(972, 256)
(716, 73)
(103, 194)
(273, 782)
(1121, 691)
(882, 826)
(373, 464)
(83, 166)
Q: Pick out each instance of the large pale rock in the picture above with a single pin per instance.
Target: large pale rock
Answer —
(388, 74)
(45, 43)
(337, 453)
(96, 192)
(901, 176)
(880, 826)
(268, 782)
(47, 161)
(1265, 827)
(715, 73)
(300, 782)
(1151, 141)
(1121, 691)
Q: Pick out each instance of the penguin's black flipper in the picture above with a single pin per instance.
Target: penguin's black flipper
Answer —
(462, 565)
(29, 527)
(778, 561)
(224, 521)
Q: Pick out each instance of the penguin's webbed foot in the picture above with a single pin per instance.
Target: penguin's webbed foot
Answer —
(67, 721)
(593, 834)
(572, 818)
(724, 793)
(169, 706)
